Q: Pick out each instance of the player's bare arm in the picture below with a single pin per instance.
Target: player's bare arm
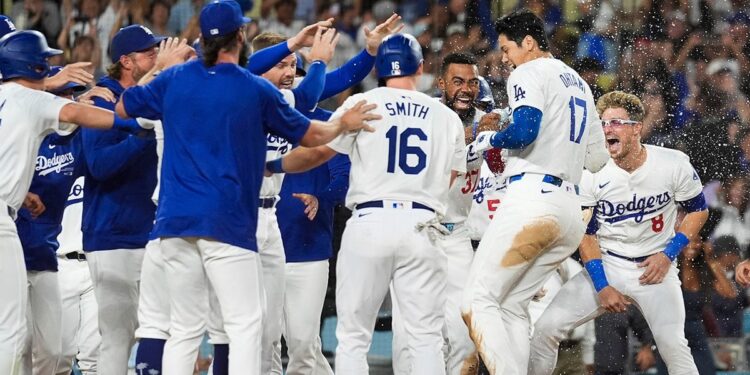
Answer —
(353, 119)
(609, 298)
(301, 159)
(658, 264)
(94, 117)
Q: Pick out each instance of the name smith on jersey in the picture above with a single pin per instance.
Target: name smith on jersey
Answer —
(407, 109)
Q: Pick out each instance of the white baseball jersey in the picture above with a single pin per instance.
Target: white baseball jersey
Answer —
(569, 119)
(489, 192)
(159, 135)
(26, 117)
(277, 147)
(462, 191)
(71, 237)
(637, 211)
(410, 155)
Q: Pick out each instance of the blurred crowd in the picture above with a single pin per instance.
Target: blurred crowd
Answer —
(688, 60)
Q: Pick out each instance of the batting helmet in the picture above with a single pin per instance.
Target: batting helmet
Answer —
(23, 54)
(398, 55)
(485, 94)
(70, 86)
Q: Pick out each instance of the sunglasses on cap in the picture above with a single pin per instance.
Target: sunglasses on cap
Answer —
(619, 122)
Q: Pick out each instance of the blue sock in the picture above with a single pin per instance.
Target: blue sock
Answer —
(148, 356)
(221, 359)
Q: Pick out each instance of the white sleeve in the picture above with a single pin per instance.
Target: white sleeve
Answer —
(596, 149)
(586, 190)
(344, 143)
(687, 183)
(525, 89)
(48, 107)
(458, 161)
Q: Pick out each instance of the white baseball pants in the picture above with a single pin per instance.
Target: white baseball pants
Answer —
(577, 303)
(13, 294)
(536, 227)
(153, 303)
(44, 321)
(115, 275)
(191, 264)
(380, 246)
(80, 327)
(306, 285)
(460, 352)
(273, 263)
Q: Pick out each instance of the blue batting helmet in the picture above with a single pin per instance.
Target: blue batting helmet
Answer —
(485, 94)
(398, 55)
(70, 86)
(24, 54)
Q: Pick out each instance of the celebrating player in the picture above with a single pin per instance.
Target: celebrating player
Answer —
(539, 224)
(213, 238)
(28, 115)
(391, 235)
(635, 198)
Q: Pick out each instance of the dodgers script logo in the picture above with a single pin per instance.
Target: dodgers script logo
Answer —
(278, 144)
(56, 163)
(636, 208)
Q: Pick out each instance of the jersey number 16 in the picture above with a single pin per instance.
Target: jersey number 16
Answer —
(401, 142)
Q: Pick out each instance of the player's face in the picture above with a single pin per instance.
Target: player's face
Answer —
(513, 54)
(282, 74)
(143, 61)
(460, 86)
(621, 133)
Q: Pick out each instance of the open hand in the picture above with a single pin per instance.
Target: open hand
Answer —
(375, 37)
(656, 266)
(355, 118)
(311, 204)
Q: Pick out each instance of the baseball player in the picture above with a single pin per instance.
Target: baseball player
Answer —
(216, 164)
(635, 198)
(300, 326)
(397, 190)
(27, 115)
(539, 224)
(58, 164)
(80, 328)
(459, 82)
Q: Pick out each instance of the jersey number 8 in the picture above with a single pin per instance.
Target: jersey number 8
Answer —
(401, 142)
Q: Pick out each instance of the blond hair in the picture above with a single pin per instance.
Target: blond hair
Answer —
(621, 99)
(265, 40)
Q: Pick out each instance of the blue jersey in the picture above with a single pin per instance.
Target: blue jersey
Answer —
(305, 240)
(215, 123)
(58, 164)
(120, 178)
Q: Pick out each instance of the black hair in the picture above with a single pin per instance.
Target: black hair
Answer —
(521, 23)
(212, 46)
(457, 58)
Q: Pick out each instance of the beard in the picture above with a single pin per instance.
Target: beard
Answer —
(244, 55)
(463, 114)
(138, 73)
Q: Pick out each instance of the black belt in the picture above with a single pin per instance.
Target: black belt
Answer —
(76, 256)
(636, 260)
(548, 178)
(380, 204)
(267, 202)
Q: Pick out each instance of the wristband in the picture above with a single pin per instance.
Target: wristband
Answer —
(129, 126)
(275, 166)
(595, 268)
(675, 246)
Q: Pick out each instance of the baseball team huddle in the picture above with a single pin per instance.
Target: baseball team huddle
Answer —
(190, 192)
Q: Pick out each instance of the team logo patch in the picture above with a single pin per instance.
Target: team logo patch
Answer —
(518, 92)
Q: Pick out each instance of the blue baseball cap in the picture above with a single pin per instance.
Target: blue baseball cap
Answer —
(76, 88)
(6, 25)
(221, 17)
(131, 39)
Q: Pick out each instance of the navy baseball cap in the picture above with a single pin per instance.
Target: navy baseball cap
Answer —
(6, 25)
(76, 88)
(221, 17)
(131, 39)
